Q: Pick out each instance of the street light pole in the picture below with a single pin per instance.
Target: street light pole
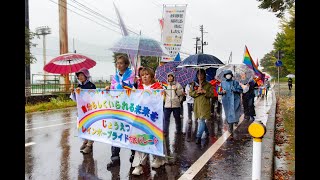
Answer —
(43, 30)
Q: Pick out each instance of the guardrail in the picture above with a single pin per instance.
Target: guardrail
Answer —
(49, 89)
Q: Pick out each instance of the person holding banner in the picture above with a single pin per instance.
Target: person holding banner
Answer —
(124, 78)
(140, 158)
(83, 76)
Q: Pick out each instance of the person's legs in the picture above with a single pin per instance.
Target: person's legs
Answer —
(158, 161)
(140, 159)
(167, 113)
(245, 107)
(176, 115)
(201, 128)
(115, 157)
(190, 109)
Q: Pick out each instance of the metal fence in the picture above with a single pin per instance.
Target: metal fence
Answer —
(48, 89)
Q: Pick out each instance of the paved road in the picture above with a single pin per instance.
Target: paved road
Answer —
(52, 152)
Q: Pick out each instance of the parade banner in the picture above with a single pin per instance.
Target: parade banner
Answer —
(131, 119)
(172, 30)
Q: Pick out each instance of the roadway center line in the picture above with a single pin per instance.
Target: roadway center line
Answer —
(49, 126)
(197, 166)
(29, 144)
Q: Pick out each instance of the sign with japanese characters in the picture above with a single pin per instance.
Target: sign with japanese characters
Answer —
(172, 30)
(124, 118)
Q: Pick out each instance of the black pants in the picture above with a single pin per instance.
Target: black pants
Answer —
(115, 152)
(214, 100)
(290, 86)
(248, 106)
(190, 109)
(176, 115)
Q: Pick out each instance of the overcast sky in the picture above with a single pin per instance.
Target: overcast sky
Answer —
(231, 24)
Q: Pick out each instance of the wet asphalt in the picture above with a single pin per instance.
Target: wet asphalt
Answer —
(52, 152)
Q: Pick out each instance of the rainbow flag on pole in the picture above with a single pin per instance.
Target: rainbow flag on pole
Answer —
(247, 60)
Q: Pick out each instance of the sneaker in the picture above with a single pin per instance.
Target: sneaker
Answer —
(198, 140)
(113, 163)
(87, 150)
(137, 170)
(157, 163)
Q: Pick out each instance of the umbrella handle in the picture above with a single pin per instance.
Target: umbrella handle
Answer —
(70, 73)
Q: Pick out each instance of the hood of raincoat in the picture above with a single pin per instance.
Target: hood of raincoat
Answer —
(227, 72)
(174, 77)
(85, 72)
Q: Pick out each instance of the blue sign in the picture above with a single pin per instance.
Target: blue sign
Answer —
(278, 63)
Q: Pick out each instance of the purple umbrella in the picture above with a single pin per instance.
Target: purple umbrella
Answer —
(182, 75)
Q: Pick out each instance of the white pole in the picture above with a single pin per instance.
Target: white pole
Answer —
(44, 58)
(256, 161)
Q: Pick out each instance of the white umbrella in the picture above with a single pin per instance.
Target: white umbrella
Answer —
(290, 76)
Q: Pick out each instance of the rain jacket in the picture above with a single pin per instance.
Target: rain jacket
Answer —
(231, 100)
(202, 108)
(172, 99)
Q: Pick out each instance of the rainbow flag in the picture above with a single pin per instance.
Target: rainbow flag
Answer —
(127, 86)
(247, 60)
(219, 89)
(165, 85)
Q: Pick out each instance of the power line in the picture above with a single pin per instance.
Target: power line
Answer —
(86, 17)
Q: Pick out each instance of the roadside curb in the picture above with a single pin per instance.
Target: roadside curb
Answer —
(268, 143)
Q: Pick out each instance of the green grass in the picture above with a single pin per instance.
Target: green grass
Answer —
(55, 103)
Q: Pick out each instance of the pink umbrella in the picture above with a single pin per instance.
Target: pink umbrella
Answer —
(68, 63)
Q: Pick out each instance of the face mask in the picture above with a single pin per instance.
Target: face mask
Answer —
(228, 76)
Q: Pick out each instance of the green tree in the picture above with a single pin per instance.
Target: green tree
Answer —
(146, 61)
(276, 6)
(29, 35)
(149, 61)
(285, 41)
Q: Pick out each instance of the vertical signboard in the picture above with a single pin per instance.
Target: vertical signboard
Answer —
(172, 30)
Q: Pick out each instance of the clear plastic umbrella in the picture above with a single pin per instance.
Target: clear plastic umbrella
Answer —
(139, 45)
(241, 72)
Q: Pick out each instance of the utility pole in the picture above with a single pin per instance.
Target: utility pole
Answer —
(43, 30)
(197, 39)
(63, 34)
(202, 43)
(27, 65)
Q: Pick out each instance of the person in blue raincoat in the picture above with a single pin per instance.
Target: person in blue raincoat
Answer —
(231, 91)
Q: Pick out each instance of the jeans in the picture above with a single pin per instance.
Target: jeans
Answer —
(202, 127)
(176, 115)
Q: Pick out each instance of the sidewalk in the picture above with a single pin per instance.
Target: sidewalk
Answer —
(234, 158)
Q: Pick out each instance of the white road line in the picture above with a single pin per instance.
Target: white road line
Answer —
(44, 121)
(29, 144)
(197, 166)
(49, 126)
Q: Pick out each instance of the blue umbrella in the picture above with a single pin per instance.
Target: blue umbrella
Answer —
(183, 75)
(203, 61)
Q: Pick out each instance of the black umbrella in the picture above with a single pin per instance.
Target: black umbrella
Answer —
(201, 61)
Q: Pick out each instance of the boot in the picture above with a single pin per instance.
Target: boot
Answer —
(230, 128)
